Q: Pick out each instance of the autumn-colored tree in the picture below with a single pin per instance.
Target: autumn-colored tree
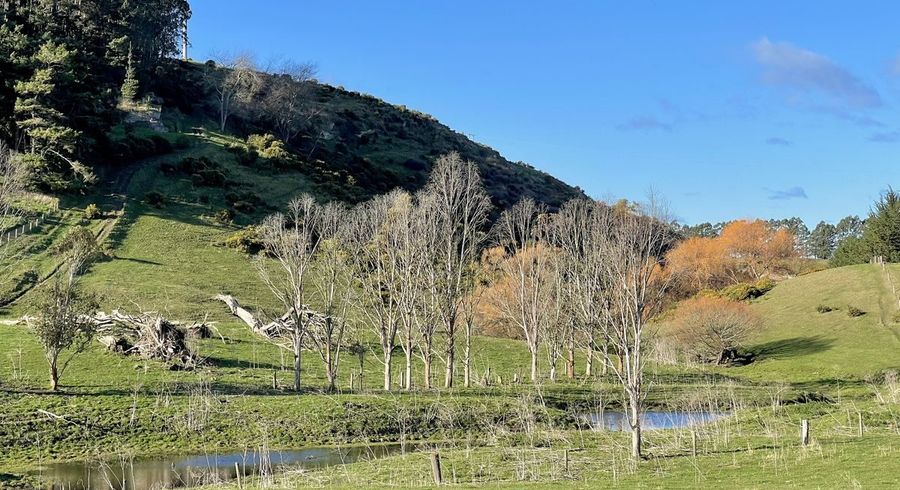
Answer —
(700, 263)
(708, 328)
(744, 251)
(757, 247)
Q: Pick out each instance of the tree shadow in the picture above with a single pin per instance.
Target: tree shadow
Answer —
(792, 347)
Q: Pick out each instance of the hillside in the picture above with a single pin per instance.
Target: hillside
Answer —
(801, 344)
(356, 145)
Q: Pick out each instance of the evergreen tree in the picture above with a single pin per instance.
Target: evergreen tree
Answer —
(822, 240)
(131, 85)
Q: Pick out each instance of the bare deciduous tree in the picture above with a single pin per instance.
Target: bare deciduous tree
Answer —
(526, 292)
(290, 242)
(374, 248)
(235, 81)
(12, 182)
(632, 248)
(458, 210)
(333, 287)
(288, 100)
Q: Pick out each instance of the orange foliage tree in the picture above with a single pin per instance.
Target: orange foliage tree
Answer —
(745, 250)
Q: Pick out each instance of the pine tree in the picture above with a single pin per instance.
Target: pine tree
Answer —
(130, 86)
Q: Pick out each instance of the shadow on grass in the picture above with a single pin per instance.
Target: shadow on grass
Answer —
(792, 347)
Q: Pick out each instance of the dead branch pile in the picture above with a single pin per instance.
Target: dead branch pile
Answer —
(151, 336)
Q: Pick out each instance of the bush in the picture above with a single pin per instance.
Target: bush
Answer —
(740, 292)
(92, 212)
(824, 308)
(154, 199)
(268, 147)
(225, 215)
(246, 240)
(764, 285)
(244, 207)
(853, 311)
(711, 329)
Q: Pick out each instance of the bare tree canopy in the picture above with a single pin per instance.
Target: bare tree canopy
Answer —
(235, 80)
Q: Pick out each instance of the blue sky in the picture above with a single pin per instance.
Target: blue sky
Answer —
(768, 109)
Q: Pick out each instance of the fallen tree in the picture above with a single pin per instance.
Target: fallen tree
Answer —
(151, 336)
(277, 329)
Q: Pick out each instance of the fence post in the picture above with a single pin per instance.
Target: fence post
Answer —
(694, 443)
(566, 457)
(237, 472)
(804, 432)
(861, 427)
(436, 468)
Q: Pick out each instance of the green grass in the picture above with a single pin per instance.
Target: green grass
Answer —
(168, 259)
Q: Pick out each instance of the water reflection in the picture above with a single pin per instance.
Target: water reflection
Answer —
(652, 420)
(188, 471)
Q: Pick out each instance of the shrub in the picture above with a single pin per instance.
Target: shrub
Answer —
(764, 285)
(244, 207)
(268, 147)
(853, 311)
(246, 240)
(711, 329)
(740, 292)
(154, 199)
(92, 212)
(225, 215)
(824, 308)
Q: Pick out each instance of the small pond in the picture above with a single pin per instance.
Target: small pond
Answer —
(187, 471)
(652, 419)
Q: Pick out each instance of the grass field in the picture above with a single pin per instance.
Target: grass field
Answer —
(169, 259)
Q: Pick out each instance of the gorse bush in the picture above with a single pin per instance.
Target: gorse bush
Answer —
(91, 211)
(154, 199)
(853, 311)
(269, 147)
(824, 308)
(246, 240)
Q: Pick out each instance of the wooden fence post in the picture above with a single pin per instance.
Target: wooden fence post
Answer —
(237, 473)
(436, 468)
(566, 457)
(804, 432)
(860, 420)
(694, 443)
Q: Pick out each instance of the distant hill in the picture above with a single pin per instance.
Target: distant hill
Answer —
(360, 145)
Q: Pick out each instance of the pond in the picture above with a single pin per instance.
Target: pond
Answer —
(652, 419)
(188, 471)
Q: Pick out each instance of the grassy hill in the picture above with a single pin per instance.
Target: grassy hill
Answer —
(801, 344)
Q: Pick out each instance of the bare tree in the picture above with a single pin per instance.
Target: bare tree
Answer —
(375, 247)
(64, 323)
(458, 211)
(290, 242)
(579, 230)
(633, 248)
(333, 289)
(235, 81)
(525, 292)
(289, 99)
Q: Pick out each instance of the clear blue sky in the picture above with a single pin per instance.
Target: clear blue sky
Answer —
(770, 109)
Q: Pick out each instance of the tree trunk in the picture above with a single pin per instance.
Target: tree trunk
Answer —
(451, 362)
(54, 376)
(297, 345)
(388, 357)
(552, 371)
(635, 428)
(467, 361)
(589, 360)
(329, 367)
(570, 360)
(534, 364)
(407, 380)
(606, 361)
(426, 361)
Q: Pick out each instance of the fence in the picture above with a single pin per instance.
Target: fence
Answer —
(16, 231)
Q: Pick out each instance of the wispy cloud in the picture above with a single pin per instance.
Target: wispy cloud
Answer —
(802, 71)
(795, 192)
(887, 137)
(644, 123)
(776, 141)
(894, 66)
